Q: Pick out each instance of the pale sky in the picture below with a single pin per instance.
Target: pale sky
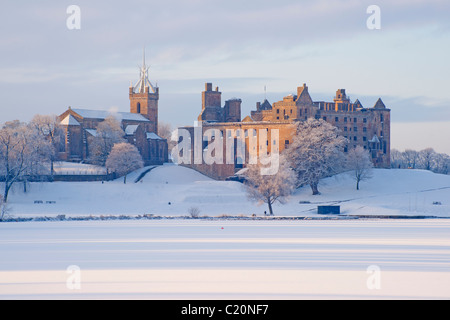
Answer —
(240, 46)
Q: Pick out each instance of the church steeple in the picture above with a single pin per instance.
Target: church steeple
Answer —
(144, 97)
(144, 83)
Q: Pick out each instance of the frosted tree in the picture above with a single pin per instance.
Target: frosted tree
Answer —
(109, 132)
(397, 159)
(22, 153)
(411, 157)
(316, 152)
(426, 158)
(270, 188)
(441, 163)
(123, 159)
(48, 127)
(165, 131)
(359, 164)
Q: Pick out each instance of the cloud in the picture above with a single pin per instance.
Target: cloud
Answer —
(241, 46)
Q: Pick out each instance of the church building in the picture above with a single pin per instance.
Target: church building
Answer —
(140, 125)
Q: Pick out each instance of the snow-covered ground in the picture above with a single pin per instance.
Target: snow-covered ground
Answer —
(227, 259)
(171, 190)
(203, 259)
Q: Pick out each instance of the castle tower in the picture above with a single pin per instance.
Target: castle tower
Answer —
(144, 98)
(211, 104)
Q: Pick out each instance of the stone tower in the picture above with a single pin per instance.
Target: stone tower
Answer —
(144, 98)
(211, 104)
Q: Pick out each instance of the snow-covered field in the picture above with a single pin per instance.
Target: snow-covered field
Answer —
(202, 259)
(171, 190)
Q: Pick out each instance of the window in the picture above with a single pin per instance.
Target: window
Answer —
(336, 119)
(355, 120)
(355, 129)
(365, 120)
(364, 138)
(345, 119)
(355, 138)
(345, 129)
(138, 107)
(364, 129)
(278, 111)
(324, 118)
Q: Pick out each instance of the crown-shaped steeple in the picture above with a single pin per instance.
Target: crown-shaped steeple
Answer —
(144, 82)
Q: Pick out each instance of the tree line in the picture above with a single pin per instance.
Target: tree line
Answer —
(30, 149)
(426, 159)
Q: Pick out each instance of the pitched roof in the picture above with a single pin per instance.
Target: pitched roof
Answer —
(247, 119)
(358, 103)
(266, 105)
(303, 95)
(379, 104)
(131, 129)
(92, 132)
(153, 136)
(69, 121)
(101, 114)
(375, 139)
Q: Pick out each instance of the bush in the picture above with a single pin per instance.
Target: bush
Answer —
(194, 212)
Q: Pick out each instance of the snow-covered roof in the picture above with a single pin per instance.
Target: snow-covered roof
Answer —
(375, 139)
(153, 136)
(100, 114)
(131, 129)
(92, 132)
(70, 121)
(241, 172)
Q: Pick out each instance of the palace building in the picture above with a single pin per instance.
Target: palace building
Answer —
(367, 127)
(140, 125)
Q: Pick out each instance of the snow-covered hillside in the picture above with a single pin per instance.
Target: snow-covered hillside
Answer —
(171, 190)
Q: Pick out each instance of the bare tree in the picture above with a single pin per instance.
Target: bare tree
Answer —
(194, 212)
(21, 153)
(397, 159)
(426, 158)
(2, 208)
(360, 164)
(123, 159)
(316, 152)
(411, 157)
(109, 132)
(165, 131)
(270, 188)
(441, 163)
(48, 127)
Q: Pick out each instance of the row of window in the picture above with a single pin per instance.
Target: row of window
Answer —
(347, 119)
(355, 129)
